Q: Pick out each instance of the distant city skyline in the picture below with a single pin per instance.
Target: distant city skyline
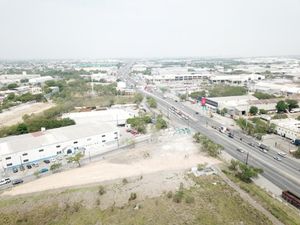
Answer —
(77, 29)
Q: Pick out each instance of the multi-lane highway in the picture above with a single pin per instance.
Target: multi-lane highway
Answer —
(285, 174)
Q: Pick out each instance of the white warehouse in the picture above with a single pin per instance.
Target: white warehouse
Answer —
(289, 128)
(28, 148)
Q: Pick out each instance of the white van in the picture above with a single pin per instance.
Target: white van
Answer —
(4, 181)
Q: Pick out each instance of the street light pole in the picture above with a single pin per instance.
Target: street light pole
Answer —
(247, 158)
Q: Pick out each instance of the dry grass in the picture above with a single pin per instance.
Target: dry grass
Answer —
(285, 213)
(213, 203)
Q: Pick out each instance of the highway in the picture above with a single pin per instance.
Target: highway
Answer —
(285, 174)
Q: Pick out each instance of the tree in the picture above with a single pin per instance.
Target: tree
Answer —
(151, 102)
(224, 111)
(138, 98)
(182, 97)
(161, 123)
(253, 110)
(292, 104)
(281, 106)
(76, 158)
(12, 86)
(22, 128)
(54, 167)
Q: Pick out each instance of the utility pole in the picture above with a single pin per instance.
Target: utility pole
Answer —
(247, 158)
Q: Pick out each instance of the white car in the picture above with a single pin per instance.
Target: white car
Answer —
(282, 154)
(277, 158)
(4, 181)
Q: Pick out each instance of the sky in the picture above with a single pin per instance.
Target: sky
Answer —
(92, 29)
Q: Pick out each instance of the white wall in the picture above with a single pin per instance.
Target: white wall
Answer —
(49, 151)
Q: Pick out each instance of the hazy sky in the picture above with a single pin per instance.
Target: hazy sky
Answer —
(148, 28)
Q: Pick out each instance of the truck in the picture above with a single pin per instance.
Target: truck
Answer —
(296, 142)
(291, 198)
(263, 147)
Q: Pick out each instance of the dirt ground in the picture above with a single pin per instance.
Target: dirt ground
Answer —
(171, 153)
(15, 114)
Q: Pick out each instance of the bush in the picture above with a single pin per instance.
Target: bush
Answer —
(151, 102)
(170, 194)
(101, 190)
(178, 196)
(262, 111)
(160, 123)
(189, 199)
(125, 181)
(132, 197)
(261, 95)
(54, 167)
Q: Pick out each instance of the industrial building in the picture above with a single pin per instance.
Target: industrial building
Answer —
(231, 103)
(240, 79)
(289, 128)
(29, 148)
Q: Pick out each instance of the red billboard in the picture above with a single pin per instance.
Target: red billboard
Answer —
(203, 101)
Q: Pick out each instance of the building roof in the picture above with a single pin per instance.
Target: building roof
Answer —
(288, 123)
(39, 139)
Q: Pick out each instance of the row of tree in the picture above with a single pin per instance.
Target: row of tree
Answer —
(281, 107)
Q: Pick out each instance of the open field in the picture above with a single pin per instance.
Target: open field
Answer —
(15, 114)
(166, 154)
(208, 201)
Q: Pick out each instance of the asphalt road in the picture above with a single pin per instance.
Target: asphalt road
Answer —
(285, 174)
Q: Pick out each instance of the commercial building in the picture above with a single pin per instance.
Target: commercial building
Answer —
(28, 148)
(241, 79)
(289, 128)
(236, 105)
(40, 80)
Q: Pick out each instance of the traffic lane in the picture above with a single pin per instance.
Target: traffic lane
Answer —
(268, 160)
(271, 153)
(275, 177)
(289, 162)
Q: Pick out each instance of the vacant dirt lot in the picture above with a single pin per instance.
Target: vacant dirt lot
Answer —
(15, 114)
(167, 154)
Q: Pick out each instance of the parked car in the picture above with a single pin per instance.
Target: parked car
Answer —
(44, 170)
(4, 181)
(17, 181)
(47, 161)
(35, 164)
(53, 160)
(28, 166)
(15, 170)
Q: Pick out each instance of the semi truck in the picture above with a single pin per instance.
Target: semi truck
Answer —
(291, 198)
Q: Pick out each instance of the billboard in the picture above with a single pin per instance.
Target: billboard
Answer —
(203, 101)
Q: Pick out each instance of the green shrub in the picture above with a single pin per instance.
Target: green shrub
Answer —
(101, 190)
(132, 197)
(170, 194)
(189, 199)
